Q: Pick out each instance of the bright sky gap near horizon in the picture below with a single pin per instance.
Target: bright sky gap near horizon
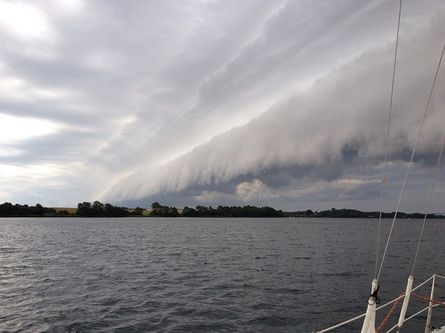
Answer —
(280, 103)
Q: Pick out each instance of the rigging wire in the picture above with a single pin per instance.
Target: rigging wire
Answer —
(385, 162)
(433, 185)
(410, 163)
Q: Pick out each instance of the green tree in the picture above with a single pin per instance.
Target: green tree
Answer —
(138, 211)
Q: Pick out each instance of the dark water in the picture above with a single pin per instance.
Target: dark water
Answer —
(199, 275)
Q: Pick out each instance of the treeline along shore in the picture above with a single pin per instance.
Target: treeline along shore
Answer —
(98, 209)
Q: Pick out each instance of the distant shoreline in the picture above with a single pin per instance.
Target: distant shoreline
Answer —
(404, 217)
(97, 209)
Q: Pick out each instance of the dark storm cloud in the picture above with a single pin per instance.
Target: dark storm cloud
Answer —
(325, 133)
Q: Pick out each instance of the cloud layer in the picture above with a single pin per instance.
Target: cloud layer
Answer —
(262, 102)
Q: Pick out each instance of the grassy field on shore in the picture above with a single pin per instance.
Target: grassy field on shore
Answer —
(70, 210)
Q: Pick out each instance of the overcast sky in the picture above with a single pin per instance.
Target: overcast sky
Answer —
(280, 103)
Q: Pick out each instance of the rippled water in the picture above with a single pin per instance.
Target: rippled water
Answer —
(198, 275)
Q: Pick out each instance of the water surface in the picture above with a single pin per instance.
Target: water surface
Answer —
(199, 275)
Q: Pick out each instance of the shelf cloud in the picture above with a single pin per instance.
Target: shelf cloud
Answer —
(281, 103)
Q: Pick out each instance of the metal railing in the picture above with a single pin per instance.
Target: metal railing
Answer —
(429, 308)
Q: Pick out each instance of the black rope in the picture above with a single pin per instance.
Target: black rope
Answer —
(374, 296)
